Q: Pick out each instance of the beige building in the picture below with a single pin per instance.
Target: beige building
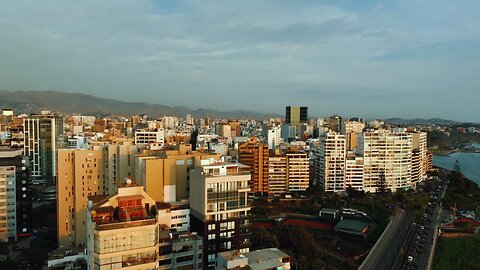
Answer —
(419, 142)
(298, 172)
(127, 231)
(79, 175)
(388, 153)
(123, 232)
(164, 174)
(354, 171)
(119, 157)
(277, 175)
(288, 172)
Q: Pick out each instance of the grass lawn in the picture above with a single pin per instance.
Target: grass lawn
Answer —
(458, 253)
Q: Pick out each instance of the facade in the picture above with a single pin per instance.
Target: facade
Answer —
(119, 162)
(274, 137)
(298, 172)
(296, 115)
(43, 135)
(176, 216)
(416, 167)
(15, 196)
(354, 171)
(123, 231)
(255, 155)
(154, 139)
(220, 209)
(419, 142)
(277, 175)
(388, 153)
(80, 174)
(164, 174)
(331, 162)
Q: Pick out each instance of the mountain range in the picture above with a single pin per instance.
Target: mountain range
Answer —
(421, 121)
(75, 103)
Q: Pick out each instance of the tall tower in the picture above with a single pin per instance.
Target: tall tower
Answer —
(80, 174)
(219, 208)
(255, 155)
(296, 115)
(16, 201)
(43, 135)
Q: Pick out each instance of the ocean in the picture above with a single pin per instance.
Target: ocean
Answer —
(469, 163)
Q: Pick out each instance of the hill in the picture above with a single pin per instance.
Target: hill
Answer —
(75, 103)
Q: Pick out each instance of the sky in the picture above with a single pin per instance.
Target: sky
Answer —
(372, 59)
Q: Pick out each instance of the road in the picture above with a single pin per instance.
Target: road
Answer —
(422, 247)
(385, 251)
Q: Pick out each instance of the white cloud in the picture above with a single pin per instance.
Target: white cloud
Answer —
(146, 51)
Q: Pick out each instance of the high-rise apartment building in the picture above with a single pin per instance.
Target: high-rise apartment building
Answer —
(123, 231)
(255, 155)
(298, 171)
(80, 174)
(219, 208)
(331, 162)
(354, 171)
(288, 172)
(416, 167)
(43, 135)
(119, 160)
(419, 142)
(274, 137)
(387, 153)
(15, 196)
(126, 231)
(277, 175)
(296, 115)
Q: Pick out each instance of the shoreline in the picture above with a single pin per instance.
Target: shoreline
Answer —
(446, 153)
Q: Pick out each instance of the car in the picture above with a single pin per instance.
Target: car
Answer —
(410, 258)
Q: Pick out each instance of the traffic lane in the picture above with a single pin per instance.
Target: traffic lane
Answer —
(375, 261)
(390, 255)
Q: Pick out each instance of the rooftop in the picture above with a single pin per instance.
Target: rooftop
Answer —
(353, 226)
(267, 258)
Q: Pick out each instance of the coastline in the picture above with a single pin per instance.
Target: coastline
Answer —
(465, 149)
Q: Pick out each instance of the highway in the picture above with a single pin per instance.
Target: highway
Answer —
(385, 251)
(422, 247)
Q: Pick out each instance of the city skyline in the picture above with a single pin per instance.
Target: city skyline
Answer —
(375, 59)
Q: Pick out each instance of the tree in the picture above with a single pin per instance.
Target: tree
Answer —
(382, 184)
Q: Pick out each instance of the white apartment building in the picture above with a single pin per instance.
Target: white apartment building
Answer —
(274, 137)
(387, 153)
(331, 157)
(154, 139)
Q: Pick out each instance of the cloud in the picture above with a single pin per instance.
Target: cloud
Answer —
(203, 53)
